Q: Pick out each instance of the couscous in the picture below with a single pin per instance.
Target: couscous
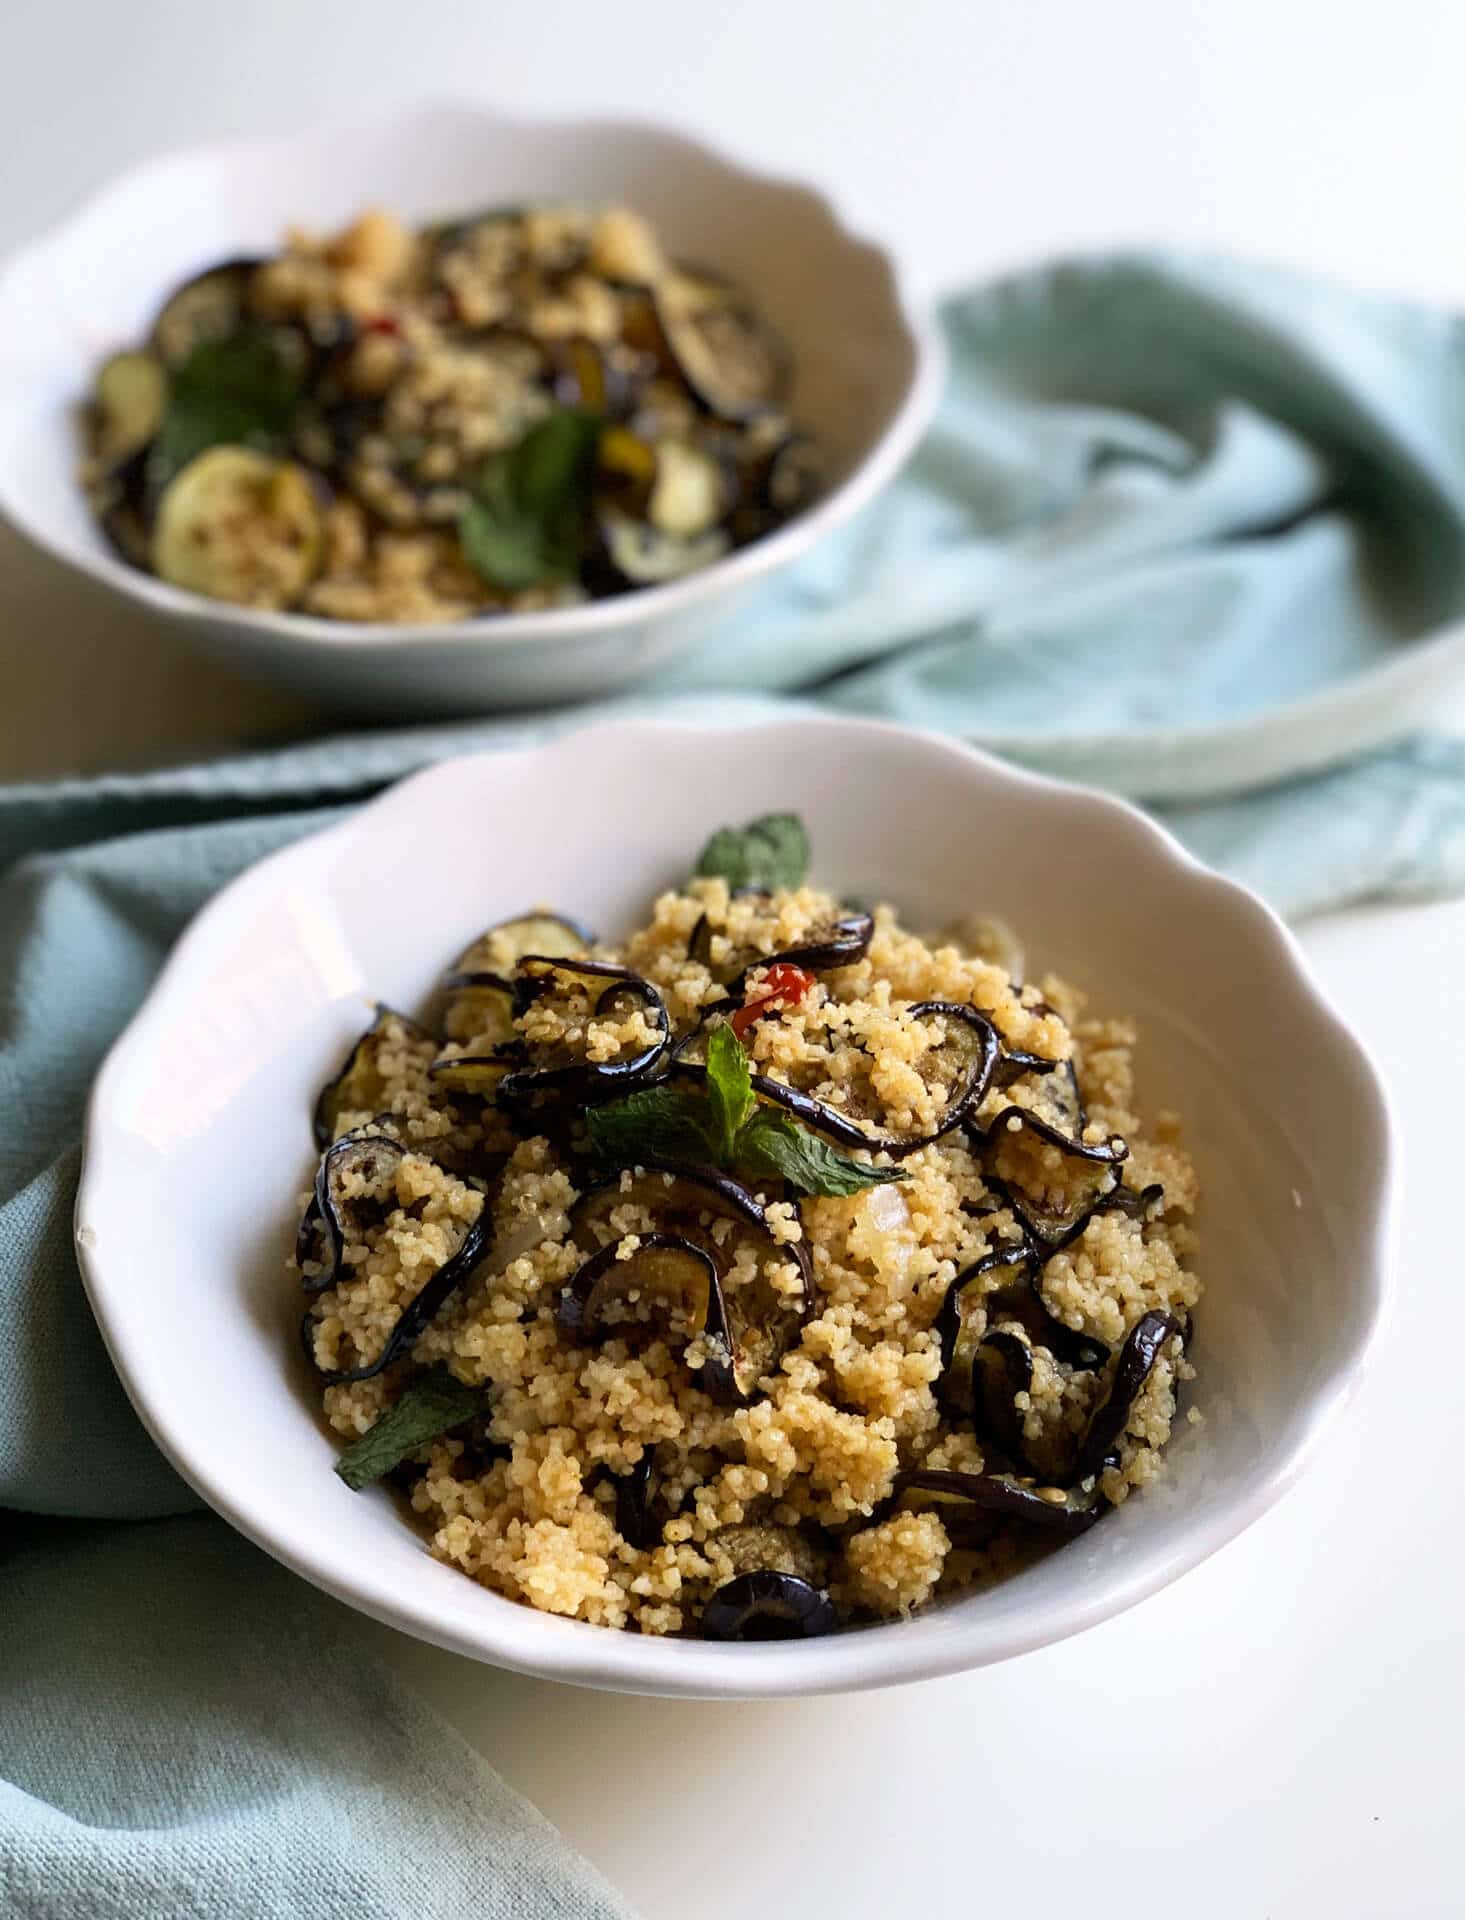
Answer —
(774, 1270)
(519, 410)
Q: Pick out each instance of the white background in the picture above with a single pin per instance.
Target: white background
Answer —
(1277, 1737)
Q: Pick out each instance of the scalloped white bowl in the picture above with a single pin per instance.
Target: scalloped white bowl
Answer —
(867, 372)
(198, 1140)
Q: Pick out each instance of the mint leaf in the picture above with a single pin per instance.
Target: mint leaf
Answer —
(234, 392)
(729, 1088)
(775, 1144)
(664, 1123)
(770, 852)
(431, 1405)
(525, 523)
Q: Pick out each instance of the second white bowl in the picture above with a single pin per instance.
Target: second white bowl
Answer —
(867, 374)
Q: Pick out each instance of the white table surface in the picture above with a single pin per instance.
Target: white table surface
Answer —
(1275, 1738)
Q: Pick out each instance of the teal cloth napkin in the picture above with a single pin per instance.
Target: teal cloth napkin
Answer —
(1158, 495)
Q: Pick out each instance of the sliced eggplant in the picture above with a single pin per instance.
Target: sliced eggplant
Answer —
(1004, 1273)
(667, 1281)
(1005, 1284)
(971, 1504)
(358, 1086)
(1137, 1357)
(236, 525)
(560, 1069)
(1002, 1369)
(636, 1520)
(479, 1009)
(730, 358)
(962, 1064)
(210, 306)
(1013, 1150)
(127, 405)
(768, 1606)
(750, 1325)
(690, 493)
(793, 478)
(500, 948)
(643, 556)
(838, 943)
(478, 1073)
(337, 1210)
(418, 1314)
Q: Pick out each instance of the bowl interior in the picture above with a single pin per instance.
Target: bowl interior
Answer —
(199, 1140)
(94, 285)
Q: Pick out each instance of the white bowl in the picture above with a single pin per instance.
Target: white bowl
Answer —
(198, 1140)
(867, 373)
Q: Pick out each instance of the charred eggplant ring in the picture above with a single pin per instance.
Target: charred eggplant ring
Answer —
(1051, 1226)
(635, 1522)
(1137, 1357)
(415, 1317)
(768, 1606)
(507, 942)
(666, 1272)
(748, 1330)
(996, 1496)
(321, 1240)
(350, 1088)
(839, 944)
(1008, 1284)
(537, 973)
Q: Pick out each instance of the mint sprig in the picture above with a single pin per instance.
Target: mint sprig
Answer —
(769, 852)
(524, 526)
(723, 1125)
(431, 1405)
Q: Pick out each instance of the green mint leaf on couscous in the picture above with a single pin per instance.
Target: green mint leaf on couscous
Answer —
(431, 1405)
(234, 392)
(664, 1123)
(525, 525)
(770, 852)
(729, 1089)
(774, 1144)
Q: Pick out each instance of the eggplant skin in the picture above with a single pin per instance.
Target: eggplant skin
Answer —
(585, 1079)
(1137, 1357)
(836, 1126)
(1000, 1496)
(635, 1521)
(768, 1606)
(419, 1312)
(578, 1312)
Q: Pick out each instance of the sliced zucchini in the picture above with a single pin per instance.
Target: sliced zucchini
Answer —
(731, 359)
(643, 555)
(210, 306)
(690, 493)
(127, 405)
(238, 526)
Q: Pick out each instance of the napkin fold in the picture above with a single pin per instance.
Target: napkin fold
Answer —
(1170, 510)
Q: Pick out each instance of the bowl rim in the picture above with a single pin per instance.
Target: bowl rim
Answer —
(871, 472)
(599, 1657)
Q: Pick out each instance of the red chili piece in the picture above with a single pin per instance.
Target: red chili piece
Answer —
(383, 323)
(784, 985)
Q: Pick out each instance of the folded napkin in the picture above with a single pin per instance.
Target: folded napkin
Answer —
(1156, 495)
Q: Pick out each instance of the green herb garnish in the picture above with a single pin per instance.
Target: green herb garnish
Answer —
(431, 1405)
(234, 392)
(770, 852)
(525, 525)
(724, 1126)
